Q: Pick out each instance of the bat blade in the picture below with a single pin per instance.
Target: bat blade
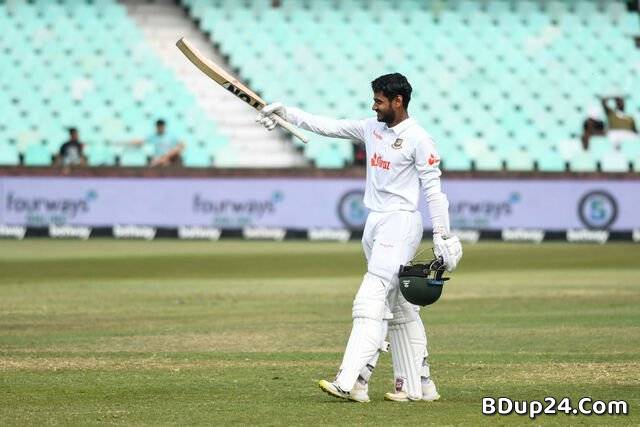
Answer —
(229, 82)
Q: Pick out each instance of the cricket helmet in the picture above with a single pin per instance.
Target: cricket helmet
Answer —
(421, 282)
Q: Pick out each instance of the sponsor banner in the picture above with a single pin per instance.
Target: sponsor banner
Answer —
(263, 233)
(69, 232)
(340, 235)
(134, 232)
(310, 203)
(15, 231)
(591, 236)
(522, 235)
(199, 233)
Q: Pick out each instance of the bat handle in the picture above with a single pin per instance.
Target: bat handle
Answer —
(288, 126)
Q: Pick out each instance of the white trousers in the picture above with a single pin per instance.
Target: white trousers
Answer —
(390, 239)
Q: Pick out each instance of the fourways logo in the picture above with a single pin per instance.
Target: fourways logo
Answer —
(42, 210)
(480, 214)
(236, 213)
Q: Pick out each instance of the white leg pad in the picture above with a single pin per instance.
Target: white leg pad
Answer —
(368, 334)
(408, 348)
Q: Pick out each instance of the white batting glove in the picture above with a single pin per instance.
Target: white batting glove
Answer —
(265, 116)
(449, 249)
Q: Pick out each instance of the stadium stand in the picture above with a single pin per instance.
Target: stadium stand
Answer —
(498, 83)
(85, 64)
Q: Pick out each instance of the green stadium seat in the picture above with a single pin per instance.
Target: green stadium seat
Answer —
(329, 159)
(37, 154)
(518, 160)
(614, 162)
(599, 146)
(550, 161)
(569, 148)
(582, 162)
(100, 155)
(133, 158)
(488, 161)
(196, 156)
(457, 161)
(9, 155)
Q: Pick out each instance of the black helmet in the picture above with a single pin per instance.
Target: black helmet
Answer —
(421, 283)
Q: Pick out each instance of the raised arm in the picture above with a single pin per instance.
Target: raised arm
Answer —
(347, 129)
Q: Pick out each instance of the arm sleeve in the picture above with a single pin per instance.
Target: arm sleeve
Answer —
(428, 165)
(347, 129)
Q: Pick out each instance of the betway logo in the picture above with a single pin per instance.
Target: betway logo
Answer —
(378, 162)
(133, 232)
(43, 205)
(253, 207)
(522, 235)
(204, 233)
(17, 232)
(581, 235)
(277, 234)
(69, 232)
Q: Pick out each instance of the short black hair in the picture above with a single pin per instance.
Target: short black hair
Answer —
(160, 122)
(392, 85)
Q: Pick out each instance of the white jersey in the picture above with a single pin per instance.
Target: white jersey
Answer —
(400, 161)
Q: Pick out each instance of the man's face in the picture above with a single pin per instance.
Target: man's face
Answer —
(384, 107)
(160, 129)
(73, 135)
(620, 104)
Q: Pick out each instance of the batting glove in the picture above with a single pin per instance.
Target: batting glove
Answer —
(265, 116)
(449, 249)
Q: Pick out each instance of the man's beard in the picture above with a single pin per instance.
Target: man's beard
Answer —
(387, 118)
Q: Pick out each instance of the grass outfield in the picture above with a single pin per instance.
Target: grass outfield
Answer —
(186, 333)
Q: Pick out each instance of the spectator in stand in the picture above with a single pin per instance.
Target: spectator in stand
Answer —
(71, 153)
(617, 118)
(592, 126)
(167, 148)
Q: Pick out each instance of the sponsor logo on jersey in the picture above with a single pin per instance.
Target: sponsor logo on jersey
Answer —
(377, 135)
(433, 159)
(397, 145)
(378, 162)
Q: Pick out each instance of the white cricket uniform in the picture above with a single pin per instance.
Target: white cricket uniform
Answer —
(400, 161)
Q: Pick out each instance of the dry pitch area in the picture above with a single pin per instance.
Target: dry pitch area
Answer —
(169, 332)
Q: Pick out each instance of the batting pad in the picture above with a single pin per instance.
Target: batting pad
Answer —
(408, 350)
(363, 346)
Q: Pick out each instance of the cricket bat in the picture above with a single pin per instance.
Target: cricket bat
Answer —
(227, 81)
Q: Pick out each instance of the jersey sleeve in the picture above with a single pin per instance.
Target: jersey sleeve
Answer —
(427, 162)
(347, 129)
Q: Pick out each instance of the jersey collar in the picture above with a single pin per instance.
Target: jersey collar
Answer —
(402, 126)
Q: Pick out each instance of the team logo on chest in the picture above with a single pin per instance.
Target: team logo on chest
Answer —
(397, 145)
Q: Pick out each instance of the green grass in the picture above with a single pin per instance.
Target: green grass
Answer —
(199, 333)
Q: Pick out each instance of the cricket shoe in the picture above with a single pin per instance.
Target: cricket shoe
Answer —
(429, 392)
(335, 391)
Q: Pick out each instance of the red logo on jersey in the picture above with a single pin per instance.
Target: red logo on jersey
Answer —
(378, 162)
(433, 159)
(377, 135)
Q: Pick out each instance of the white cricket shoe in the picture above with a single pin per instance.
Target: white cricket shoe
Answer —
(398, 396)
(429, 392)
(335, 391)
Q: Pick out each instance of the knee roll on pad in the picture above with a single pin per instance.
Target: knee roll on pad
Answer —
(370, 299)
(404, 312)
